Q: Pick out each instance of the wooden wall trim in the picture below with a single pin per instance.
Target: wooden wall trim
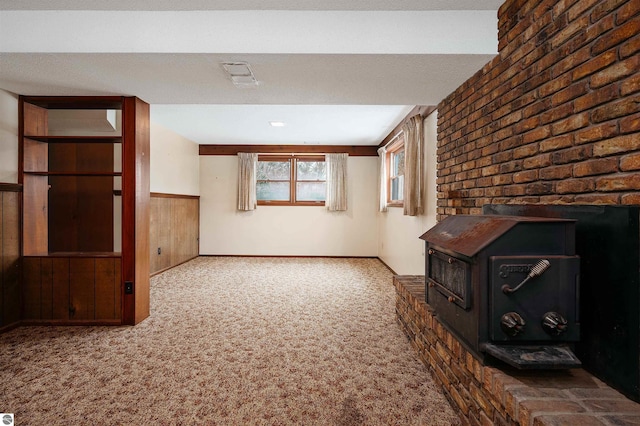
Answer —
(165, 195)
(423, 110)
(352, 150)
(10, 187)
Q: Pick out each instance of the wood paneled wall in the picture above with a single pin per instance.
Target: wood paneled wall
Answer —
(10, 254)
(174, 231)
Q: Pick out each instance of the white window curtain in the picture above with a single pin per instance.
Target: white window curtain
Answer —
(382, 194)
(413, 166)
(247, 164)
(336, 165)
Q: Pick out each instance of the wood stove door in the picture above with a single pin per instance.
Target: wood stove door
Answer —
(534, 298)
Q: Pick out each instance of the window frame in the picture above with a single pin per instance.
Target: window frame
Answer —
(293, 160)
(392, 150)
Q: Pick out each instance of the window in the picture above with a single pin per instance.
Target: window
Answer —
(395, 162)
(291, 180)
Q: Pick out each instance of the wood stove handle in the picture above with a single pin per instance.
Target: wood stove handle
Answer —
(537, 270)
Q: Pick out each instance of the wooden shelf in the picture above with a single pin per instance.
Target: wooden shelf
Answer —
(76, 139)
(86, 174)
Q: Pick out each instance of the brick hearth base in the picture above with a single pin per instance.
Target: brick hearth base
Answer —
(485, 395)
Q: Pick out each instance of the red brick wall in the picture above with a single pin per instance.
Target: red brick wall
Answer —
(554, 118)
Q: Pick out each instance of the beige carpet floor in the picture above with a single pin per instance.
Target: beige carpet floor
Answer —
(232, 341)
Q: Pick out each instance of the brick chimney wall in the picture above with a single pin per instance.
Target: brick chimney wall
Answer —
(554, 118)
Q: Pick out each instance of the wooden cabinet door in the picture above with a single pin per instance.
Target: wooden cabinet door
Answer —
(45, 288)
(72, 288)
(59, 288)
(82, 288)
(108, 293)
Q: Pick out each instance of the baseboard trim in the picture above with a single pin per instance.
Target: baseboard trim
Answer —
(387, 266)
(32, 322)
(9, 327)
(172, 266)
(301, 257)
(293, 256)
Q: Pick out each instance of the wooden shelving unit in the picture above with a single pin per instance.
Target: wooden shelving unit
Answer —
(85, 227)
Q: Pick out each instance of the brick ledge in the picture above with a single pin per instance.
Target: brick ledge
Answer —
(485, 395)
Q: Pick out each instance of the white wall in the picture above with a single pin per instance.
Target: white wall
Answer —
(176, 168)
(313, 231)
(400, 246)
(286, 230)
(8, 137)
(174, 162)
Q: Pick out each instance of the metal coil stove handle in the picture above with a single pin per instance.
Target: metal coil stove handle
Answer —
(537, 270)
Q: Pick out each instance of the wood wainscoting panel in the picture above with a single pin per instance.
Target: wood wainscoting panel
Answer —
(184, 215)
(160, 234)
(175, 230)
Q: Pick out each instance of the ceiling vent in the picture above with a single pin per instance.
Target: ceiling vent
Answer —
(240, 74)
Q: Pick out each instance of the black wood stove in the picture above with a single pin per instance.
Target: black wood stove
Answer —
(507, 286)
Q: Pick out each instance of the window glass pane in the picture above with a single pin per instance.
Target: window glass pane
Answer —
(311, 191)
(272, 191)
(397, 185)
(273, 170)
(398, 164)
(311, 170)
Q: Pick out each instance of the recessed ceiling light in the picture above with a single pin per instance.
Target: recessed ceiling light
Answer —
(276, 123)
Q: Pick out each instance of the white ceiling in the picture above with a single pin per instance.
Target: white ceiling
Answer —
(335, 71)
